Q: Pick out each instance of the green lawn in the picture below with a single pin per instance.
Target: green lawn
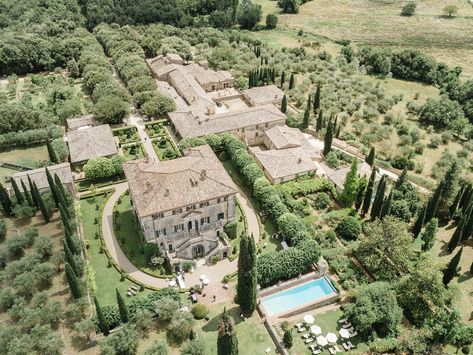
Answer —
(126, 134)
(165, 149)
(130, 237)
(25, 156)
(328, 322)
(128, 149)
(106, 279)
(156, 128)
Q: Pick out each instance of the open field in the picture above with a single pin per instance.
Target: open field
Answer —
(25, 156)
(378, 23)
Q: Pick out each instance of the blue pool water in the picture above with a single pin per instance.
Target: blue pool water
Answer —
(297, 296)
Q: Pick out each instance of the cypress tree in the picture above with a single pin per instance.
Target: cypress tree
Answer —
(379, 199)
(450, 184)
(350, 185)
(320, 121)
(308, 103)
(52, 154)
(360, 193)
(33, 192)
(370, 157)
(454, 206)
(429, 235)
(41, 206)
(316, 102)
(287, 339)
(305, 122)
(227, 342)
(466, 196)
(401, 179)
(433, 203)
(456, 237)
(283, 78)
(337, 135)
(234, 10)
(70, 241)
(273, 76)
(16, 190)
(328, 139)
(284, 104)
(386, 208)
(292, 81)
(468, 225)
(27, 195)
(451, 269)
(61, 189)
(417, 227)
(52, 187)
(101, 320)
(246, 286)
(369, 193)
(73, 282)
(69, 258)
(122, 308)
(5, 201)
(250, 81)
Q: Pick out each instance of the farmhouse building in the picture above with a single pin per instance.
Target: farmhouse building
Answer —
(38, 176)
(183, 204)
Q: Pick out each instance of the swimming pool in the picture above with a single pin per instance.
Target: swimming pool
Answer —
(298, 296)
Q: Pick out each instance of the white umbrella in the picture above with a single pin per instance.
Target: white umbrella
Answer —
(315, 329)
(331, 337)
(309, 319)
(321, 340)
(344, 333)
(202, 277)
(205, 281)
(172, 283)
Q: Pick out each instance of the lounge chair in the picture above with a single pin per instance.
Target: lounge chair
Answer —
(308, 340)
(354, 334)
(298, 325)
(316, 351)
(346, 346)
(344, 320)
(312, 347)
(347, 325)
(134, 288)
(306, 335)
(332, 351)
(129, 294)
(350, 330)
(337, 349)
(349, 343)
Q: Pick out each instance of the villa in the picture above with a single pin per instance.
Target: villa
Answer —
(81, 122)
(183, 204)
(207, 103)
(284, 154)
(92, 142)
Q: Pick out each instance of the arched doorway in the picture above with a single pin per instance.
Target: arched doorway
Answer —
(198, 251)
(189, 226)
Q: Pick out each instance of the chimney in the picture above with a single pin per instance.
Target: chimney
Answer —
(203, 175)
(148, 187)
(299, 160)
(166, 193)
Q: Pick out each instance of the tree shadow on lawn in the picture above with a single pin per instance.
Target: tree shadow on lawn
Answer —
(465, 276)
(212, 324)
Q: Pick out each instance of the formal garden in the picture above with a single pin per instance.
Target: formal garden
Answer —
(133, 151)
(165, 148)
(126, 134)
(156, 128)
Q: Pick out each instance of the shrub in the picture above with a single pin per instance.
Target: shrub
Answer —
(402, 162)
(169, 154)
(321, 200)
(3, 229)
(199, 311)
(349, 228)
(409, 9)
(271, 21)
(231, 229)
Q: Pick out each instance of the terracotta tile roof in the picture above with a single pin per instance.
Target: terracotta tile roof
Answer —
(63, 170)
(264, 94)
(77, 122)
(158, 187)
(93, 142)
(338, 176)
(284, 162)
(284, 137)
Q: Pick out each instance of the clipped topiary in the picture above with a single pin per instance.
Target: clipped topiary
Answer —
(199, 311)
(348, 228)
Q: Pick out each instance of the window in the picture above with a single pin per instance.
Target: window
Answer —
(161, 232)
(176, 211)
(178, 228)
(257, 126)
(213, 87)
(219, 200)
(221, 216)
(202, 204)
(158, 215)
(267, 125)
(170, 247)
(225, 85)
(204, 220)
(225, 198)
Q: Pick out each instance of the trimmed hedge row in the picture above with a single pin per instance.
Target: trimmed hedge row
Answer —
(30, 137)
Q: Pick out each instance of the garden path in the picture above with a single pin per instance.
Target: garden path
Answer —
(137, 121)
(215, 273)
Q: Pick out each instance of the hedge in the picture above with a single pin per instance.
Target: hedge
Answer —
(30, 137)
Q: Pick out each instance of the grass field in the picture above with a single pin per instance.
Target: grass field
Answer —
(378, 23)
(25, 156)
(106, 279)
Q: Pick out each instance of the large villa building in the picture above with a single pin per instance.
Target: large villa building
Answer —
(183, 204)
(207, 102)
